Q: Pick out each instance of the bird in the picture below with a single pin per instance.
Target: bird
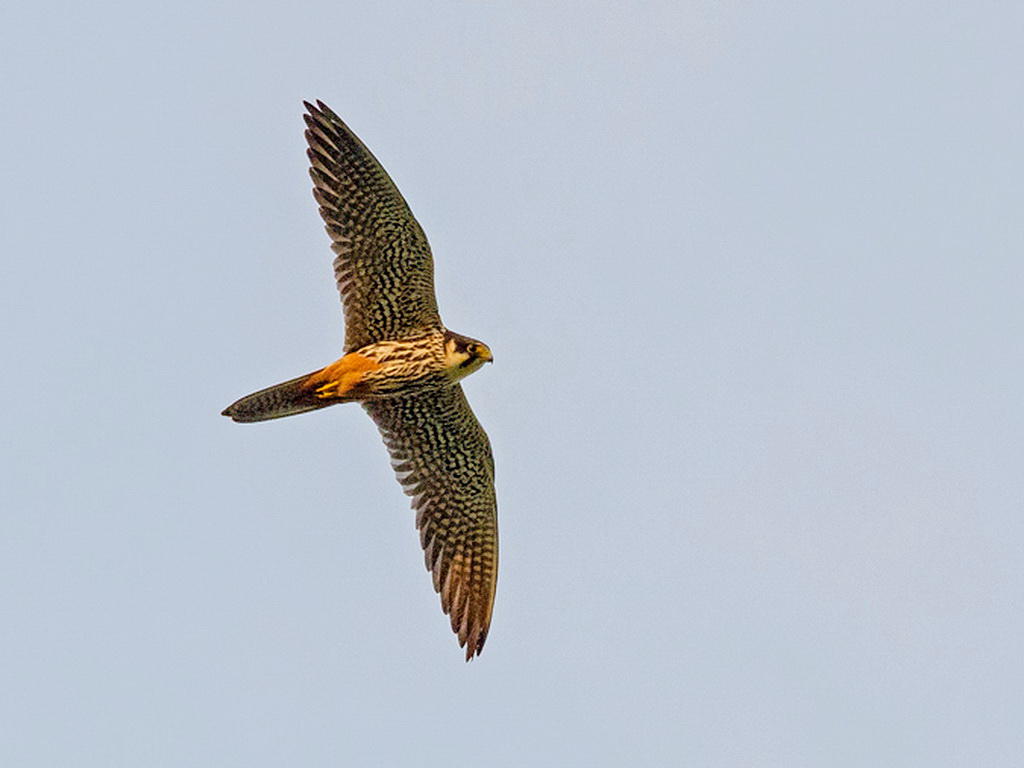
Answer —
(403, 366)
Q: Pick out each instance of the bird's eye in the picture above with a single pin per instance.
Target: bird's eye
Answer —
(472, 349)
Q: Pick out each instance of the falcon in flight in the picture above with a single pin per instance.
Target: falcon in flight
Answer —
(404, 367)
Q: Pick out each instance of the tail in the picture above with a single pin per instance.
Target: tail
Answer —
(285, 399)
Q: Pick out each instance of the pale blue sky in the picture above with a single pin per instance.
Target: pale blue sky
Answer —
(753, 278)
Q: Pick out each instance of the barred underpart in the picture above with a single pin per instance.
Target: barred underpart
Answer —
(401, 363)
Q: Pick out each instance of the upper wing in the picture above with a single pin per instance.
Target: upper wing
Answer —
(443, 460)
(383, 267)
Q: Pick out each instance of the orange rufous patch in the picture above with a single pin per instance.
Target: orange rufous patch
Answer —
(341, 376)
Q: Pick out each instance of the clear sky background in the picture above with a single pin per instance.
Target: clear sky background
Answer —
(753, 274)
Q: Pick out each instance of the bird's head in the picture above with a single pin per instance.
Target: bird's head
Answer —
(464, 355)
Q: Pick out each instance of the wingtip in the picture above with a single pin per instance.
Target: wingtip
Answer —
(319, 111)
(475, 644)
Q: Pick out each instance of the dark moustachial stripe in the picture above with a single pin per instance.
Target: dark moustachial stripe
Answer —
(398, 363)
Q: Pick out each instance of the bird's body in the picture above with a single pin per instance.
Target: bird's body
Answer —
(404, 366)
(384, 369)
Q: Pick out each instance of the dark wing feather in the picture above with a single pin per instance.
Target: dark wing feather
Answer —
(383, 268)
(443, 460)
